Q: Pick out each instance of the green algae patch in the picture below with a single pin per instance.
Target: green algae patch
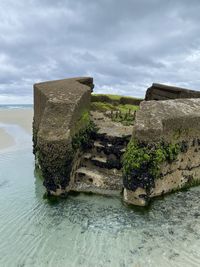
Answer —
(141, 163)
(82, 138)
(85, 129)
(83, 121)
(56, 169)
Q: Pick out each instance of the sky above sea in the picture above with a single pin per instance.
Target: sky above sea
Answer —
(124, 45)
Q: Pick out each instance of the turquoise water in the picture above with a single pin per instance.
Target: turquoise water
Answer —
(90, 231)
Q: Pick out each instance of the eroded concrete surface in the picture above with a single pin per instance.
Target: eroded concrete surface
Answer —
(58, 107)
(173, 122)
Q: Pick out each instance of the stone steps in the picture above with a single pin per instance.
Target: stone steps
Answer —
(100, 165)
(95, 181)
(109, 128)
(102, 161)
(106, 147)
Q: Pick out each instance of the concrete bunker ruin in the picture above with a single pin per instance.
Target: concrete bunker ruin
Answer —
(99, 144)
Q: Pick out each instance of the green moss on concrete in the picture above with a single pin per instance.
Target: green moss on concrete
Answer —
(55, 164)
(82, 122)
(84, 129)
(141, 163)
(138, 155)
(134, 157)
(56, 169)
(82, 138)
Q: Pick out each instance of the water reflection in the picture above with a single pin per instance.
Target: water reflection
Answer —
(89, 230)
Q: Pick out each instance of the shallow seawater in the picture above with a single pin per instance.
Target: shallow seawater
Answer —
(89, 230)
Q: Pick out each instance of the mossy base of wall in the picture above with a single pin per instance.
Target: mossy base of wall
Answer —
(182, 173)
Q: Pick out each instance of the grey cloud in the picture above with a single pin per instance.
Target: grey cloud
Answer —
(135, 60)
(124, 45)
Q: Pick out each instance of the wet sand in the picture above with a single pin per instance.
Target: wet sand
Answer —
(20, 117)
(6, 140)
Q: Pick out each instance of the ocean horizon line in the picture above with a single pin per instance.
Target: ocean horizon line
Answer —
(15, 106)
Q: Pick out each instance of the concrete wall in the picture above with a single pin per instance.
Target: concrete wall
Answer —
(165, 92)
(161, 124)
(58, 106)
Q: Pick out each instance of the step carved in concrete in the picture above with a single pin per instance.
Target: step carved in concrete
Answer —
(94, 181)
(102, 161)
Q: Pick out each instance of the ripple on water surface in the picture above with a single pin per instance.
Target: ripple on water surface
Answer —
(88, 230)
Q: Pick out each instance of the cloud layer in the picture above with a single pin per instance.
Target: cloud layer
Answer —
(124, 44)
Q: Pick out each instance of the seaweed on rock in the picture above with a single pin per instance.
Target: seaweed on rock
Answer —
(141, 163)
(56, 169)
(84, 135)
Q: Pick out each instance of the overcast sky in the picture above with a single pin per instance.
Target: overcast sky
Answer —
(126, 45)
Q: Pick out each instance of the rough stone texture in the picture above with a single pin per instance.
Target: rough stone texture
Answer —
(172, 121)
(58, 107)
(161, 119)
(110, 128)
(165, 92)
(98, 169)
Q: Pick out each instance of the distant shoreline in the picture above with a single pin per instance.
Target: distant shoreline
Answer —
(15, 106)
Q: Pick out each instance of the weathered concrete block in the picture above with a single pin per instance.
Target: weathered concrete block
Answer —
(165, 92)
(58, 109)
(164, 153)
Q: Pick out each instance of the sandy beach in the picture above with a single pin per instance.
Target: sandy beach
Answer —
(12, 123)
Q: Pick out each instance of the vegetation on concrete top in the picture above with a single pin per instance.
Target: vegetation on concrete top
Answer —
(83, 121)
(124, 114)
(103, 107)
